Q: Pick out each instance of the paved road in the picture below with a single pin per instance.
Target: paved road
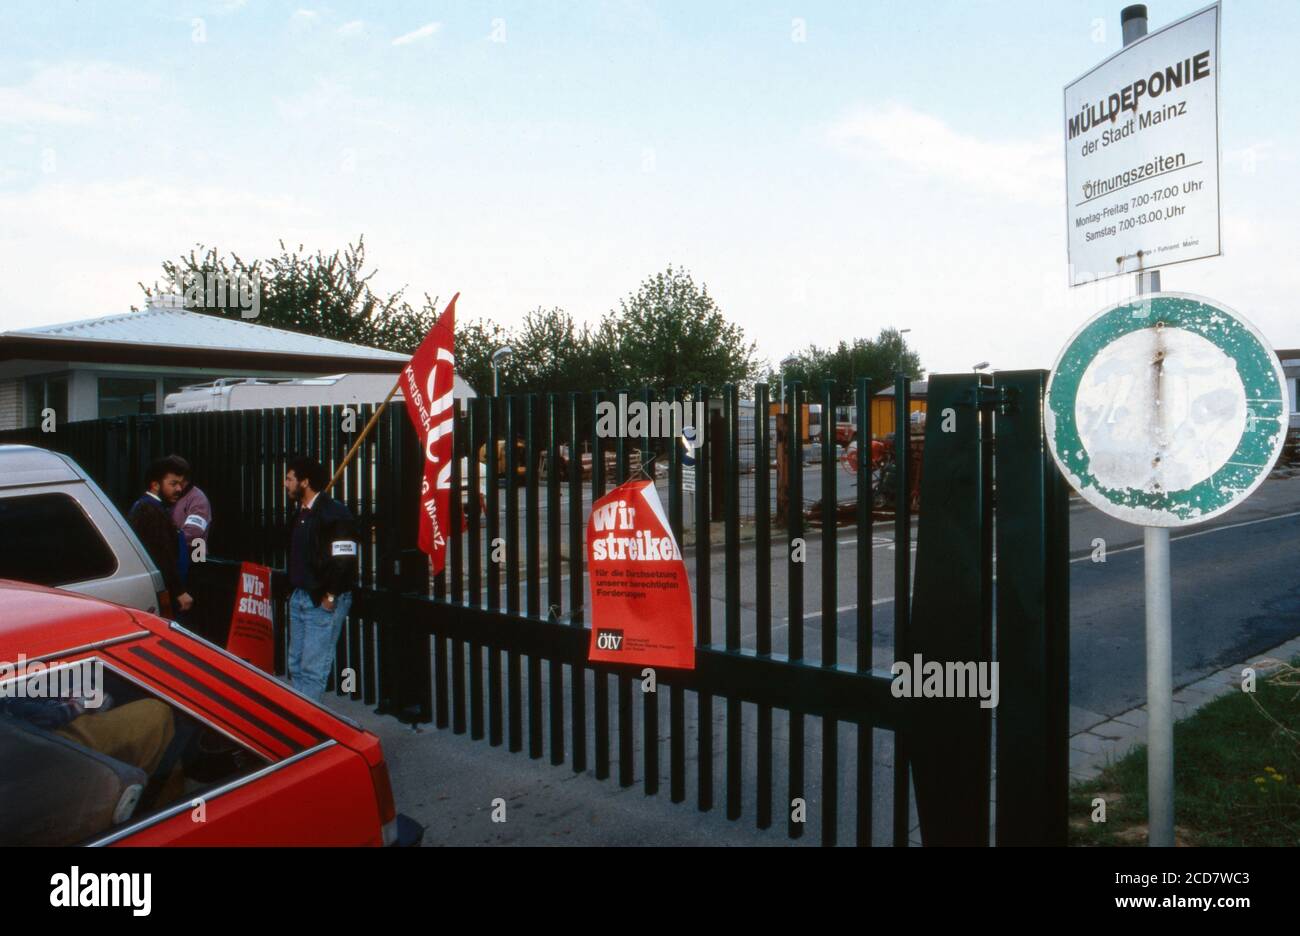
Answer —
(1236, 593)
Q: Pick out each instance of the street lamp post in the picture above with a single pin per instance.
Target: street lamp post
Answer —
(902, 345)
(786, 362)
(498, 357)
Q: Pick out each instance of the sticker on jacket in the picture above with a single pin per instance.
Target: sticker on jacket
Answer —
(195, 520)
(343, 548)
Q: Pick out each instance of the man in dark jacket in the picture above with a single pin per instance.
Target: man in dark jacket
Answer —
(322, 573)
(150, 518)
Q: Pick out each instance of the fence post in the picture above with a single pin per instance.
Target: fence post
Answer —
(415, 687)
(1033, 621)
(717, 464)
(951, 615)
(782, 472)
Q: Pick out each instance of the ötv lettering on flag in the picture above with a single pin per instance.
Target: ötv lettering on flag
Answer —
(428, 383)
(640, 594)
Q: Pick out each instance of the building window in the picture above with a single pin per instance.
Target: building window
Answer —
(47, 393)
(174, 384)
(127, 396)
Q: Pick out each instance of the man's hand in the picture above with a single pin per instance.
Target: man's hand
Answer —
(184, 601)
(327, 602)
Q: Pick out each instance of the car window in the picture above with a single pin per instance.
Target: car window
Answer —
(47, 539)
(87, 751)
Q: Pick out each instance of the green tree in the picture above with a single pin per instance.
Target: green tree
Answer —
(671, 333)
(475, 342)
(877, 359)
(554, 354)
(327, 295)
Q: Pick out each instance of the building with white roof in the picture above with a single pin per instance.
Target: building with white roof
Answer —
(120, 365)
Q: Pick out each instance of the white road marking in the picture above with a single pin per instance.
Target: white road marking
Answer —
(1174, 539)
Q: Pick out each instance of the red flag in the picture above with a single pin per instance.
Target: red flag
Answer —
(427, 385)
(640, 592)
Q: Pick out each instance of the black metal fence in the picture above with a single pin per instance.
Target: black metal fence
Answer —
(496, 644)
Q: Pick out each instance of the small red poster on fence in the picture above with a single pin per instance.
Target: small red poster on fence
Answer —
(640, 594)
(252, 625)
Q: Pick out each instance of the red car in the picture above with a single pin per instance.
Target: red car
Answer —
(120, 728)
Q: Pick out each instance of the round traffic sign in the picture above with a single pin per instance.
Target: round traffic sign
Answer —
(1166, 409)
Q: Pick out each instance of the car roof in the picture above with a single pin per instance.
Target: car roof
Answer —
(26, 464)
(36, 621)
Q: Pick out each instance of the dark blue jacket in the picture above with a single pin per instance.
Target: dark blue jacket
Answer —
(330, 562)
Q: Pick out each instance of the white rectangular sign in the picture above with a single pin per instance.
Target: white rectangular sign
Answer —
(1142, 153)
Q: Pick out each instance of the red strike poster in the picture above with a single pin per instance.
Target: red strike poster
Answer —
(641, 609)
(252, 630)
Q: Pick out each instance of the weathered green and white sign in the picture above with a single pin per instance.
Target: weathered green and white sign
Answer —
(1166, 410)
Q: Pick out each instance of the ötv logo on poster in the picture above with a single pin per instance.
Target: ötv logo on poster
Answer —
(75, 889)
(609, 639)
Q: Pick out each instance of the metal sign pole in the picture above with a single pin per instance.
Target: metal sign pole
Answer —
(1159, 621)
(1160, 691)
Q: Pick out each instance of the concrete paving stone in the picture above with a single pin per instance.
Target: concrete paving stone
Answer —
(1135, 717)
(1230, 674)
(1088, 742)
(1081, 719)
(1121, 746)
(1263, 663)
(1080, 759)
(1194, 698)
(1117, 730)
(1085, 773)
(1213, 687)
(1288, 651)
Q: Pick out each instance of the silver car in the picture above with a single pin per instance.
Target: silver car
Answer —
(58, 528)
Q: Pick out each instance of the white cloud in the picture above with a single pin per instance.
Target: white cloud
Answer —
(1029, 170)
(334, 108)
(73, 93)
(1247, 160)
(424, 32)
(18, 107)
(304, 17)
(84, 248)
(352, 28)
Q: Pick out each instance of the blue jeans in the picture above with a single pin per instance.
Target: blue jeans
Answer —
(313, 637)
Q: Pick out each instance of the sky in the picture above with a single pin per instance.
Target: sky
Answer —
(826, 169)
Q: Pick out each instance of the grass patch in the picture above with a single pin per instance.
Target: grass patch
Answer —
(1236, 775)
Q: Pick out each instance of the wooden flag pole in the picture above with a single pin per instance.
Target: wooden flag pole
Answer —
(361, 438)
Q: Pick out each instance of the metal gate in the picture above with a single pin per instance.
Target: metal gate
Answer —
(789, 719)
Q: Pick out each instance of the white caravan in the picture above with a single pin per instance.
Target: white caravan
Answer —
(251, 393)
